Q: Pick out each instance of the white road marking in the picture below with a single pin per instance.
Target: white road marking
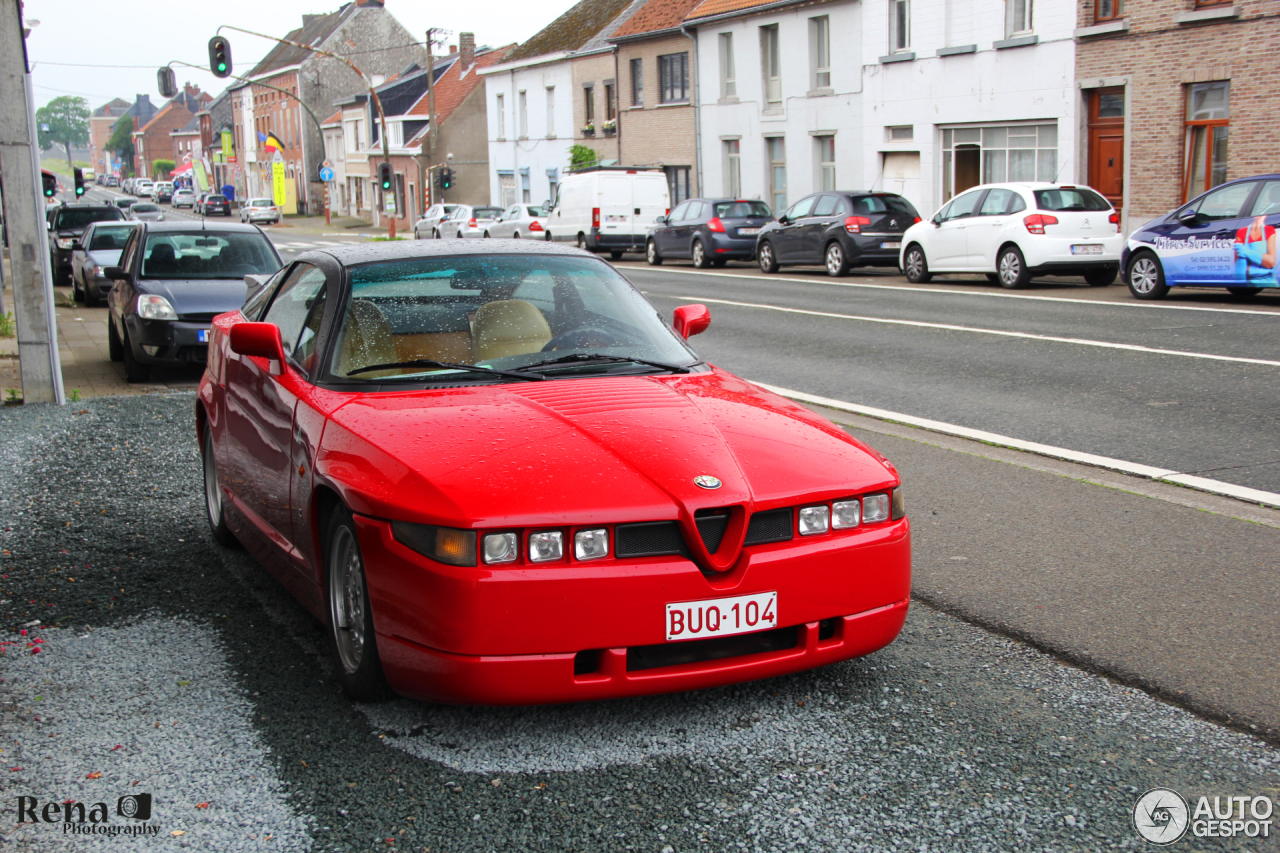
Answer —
(1137, 469)
(950, 327)
(912, 289)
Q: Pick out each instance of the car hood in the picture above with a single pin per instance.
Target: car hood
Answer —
(591, 451)
(198, 296)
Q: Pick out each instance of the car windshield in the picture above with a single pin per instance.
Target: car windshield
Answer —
(125, 202)
(73, 217)
(259, 202)
(109, 237)
(741, 209)
(486, 212)
(498, 311)
(1070, 199)
(204, 254)
(145, 208)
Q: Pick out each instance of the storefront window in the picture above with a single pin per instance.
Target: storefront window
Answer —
(985, 155)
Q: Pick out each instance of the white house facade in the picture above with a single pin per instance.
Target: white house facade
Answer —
(530, 115)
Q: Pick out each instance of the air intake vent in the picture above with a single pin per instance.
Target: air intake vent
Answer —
(649, 539)
(771, 526)
(711, 526)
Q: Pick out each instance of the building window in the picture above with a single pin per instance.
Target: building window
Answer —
(826, 162)
(901, 133)
(820, 52)
(502, 117)
(1207, 127)
(526, 193)
(777, 172)
(637, 82)
(771, 67)
(610, 103)
(677, 183)
(728, 82)
(1108, 10)
(589, 103)
(1017, 17)
(733, 168)
(673, 78)
(977, 155)
(551, 112)
(900, 25)
(524, 115)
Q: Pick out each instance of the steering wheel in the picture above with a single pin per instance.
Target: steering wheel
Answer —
(582, 338)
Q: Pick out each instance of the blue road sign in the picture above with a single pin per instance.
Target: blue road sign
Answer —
(326, 174)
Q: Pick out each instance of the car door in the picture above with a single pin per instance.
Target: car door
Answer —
(789, 235)
(986, 230)
(1203, 246)
(1259, 238)
(813, 235)
(948, 246)
(683, 231)
(664, 236)
(260, 406)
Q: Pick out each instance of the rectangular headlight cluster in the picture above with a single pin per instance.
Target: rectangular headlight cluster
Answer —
(545, 546)
(848, 514)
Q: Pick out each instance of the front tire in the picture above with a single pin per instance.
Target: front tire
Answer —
(1012, 269)
(213, 497)
(1145, 277)
(134, 370)
(615, 255)
(837, 263)
(582, 242)
(916, 265)
(651, 254)
(765, 259)
(699, 255)
(355, 645)
(115, 348)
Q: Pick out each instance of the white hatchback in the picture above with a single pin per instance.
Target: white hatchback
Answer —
(1012, 232)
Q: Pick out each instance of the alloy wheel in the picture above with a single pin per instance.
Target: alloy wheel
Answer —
(915, 263)
(1143, 275)
(212, 492)
(346, 598)
(699, 254)
(835, 260)
(1010, 269)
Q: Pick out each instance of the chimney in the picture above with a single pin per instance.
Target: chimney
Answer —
(453, 48)
(376, 4)
(467, 47)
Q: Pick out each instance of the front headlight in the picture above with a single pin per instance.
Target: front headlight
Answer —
(846, 514)
(442, 544)
(814, 519)
(875, 508)
(591, 544)
(546, 546)
(500, 548)
(151, 307)
(97, 271)
(66, 242)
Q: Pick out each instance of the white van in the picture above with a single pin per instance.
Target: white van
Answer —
(608, 208)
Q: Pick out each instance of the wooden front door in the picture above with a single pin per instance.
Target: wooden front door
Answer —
(1106, 144)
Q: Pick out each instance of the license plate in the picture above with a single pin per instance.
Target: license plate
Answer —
(720, 617)
(1086, 250)
(748, 230)
(892, 244)
(611, 217)
(203, 336)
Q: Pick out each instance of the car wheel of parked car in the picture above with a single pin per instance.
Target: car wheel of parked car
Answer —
(515, 236)
(435, 235)
(1243, 292)
(719, 262)
(615, 255)
(582, 242)
(90, 300)
(699, 255)
(77, 294)
(350, 616)
(916, 265)
(651, 254)
(1100, 278)
(764, 256)
(115, 349)
(1145, 277)
(213, 494)
(486, 235)
(1012, 269)
(134, 370)
(837, 263)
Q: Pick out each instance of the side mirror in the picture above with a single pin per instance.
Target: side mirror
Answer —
(690, 320)
(77, 246)
(782, 220)
(546, 205)
(936, 220)
(661, 220)
(261, 340)
(1189, 217)
(113, 273)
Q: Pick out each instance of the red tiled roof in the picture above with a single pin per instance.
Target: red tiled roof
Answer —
(720, 7)
(457, 83)
(331, 119)
(656, 15)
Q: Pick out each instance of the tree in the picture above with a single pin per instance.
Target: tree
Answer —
(162, 168)
(121, 141)
(67, 120)
(581, 157)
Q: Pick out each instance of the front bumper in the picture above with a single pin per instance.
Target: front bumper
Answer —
(171, 341)
(574, 632)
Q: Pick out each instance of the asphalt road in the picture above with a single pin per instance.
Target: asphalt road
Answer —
(964, 354)
(174, 667)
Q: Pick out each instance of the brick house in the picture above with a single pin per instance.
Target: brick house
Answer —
(656, 73)
(1161, 86)
(101, 122)
(154, 140)
(596, 98)
(136, 116)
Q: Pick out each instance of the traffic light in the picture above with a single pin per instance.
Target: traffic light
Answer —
(79, 182)
(50, 184)
(446, 178)
(168, 84)
(220, 56)
(384, 176)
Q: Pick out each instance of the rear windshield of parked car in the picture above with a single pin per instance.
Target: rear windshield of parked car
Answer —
(486, 212)
(201, 254)
(110, 237)
(882, 204)
(145, 208)
(1070, 199)
(81, 217)
(741, 209)
(260, 202)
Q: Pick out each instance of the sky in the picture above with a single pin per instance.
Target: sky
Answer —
(150, 33)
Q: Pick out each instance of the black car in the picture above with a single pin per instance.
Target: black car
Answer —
(839, 230)
(709, 231)
(172, 280)
(96, 250)
(66, 225)
(213, 203)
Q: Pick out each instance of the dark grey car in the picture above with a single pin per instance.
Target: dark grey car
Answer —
(96, 250)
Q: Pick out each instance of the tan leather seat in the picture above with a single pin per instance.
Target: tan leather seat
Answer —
(509, 327)
(366, 340)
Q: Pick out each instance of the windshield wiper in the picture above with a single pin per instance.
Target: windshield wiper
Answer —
(587, 357)
(446, 365)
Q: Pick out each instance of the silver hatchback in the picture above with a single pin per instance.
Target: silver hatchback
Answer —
(260, 210)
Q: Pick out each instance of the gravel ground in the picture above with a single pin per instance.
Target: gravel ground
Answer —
(952, 739)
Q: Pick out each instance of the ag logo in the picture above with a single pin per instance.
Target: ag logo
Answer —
(706, 481)
(1161, 816)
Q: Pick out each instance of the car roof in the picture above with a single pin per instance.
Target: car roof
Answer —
(203, 225)
(87, 205)
(363, 253)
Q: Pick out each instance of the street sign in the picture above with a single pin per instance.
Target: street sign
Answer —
(326, 174)
(277, 183)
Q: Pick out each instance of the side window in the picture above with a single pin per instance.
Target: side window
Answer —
(826, 206)
(695, 213)
(1268, 201)
(1225, 203)
(996, 202)
(292, 305)
(129, 257)
(964, 205)
(1016, 204)
(677, 215)
(801, 208)
(257, 301)
(306, 350)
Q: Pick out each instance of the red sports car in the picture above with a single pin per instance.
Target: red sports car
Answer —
(501, 478)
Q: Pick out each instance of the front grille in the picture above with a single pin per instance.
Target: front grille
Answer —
(772, 526)
(199, 318)
(711, 526)
(649, 539)
(715, 648)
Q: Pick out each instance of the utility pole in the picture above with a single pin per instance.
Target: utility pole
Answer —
(24, 215)
(431, 111)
